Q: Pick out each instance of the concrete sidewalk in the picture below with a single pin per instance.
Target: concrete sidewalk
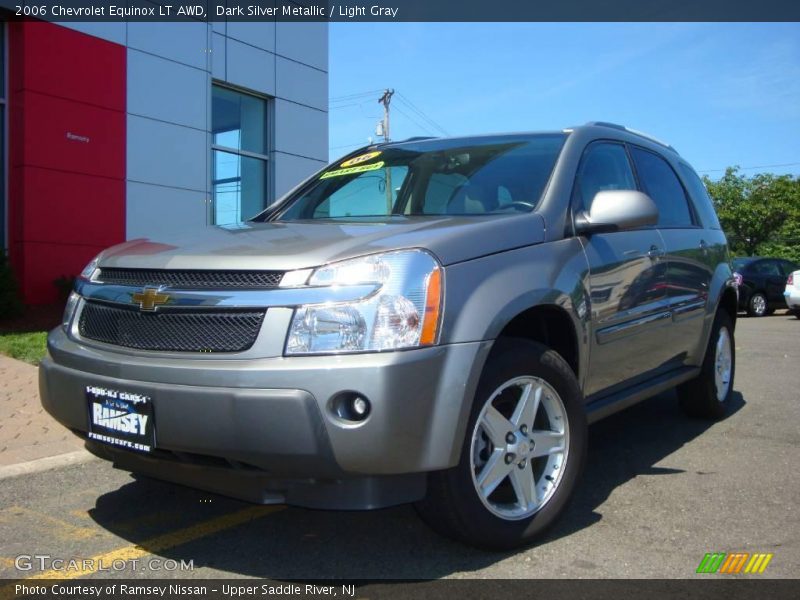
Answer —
(27, 432)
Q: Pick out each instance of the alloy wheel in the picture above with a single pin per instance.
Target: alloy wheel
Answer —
(759, 304)
(723, 363)
(519, 447)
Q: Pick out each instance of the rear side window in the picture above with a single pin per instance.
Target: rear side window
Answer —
(699, 193)
(767, 267)
(604, 167)
(661, 183)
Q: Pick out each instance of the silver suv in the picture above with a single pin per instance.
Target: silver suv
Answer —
(431, 321)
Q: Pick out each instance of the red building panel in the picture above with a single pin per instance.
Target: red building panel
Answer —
(62, 207)
(61, 62)
(72, 136)
(66, 152)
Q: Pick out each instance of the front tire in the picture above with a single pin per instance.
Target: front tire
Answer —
(523, 452)
(709, 395)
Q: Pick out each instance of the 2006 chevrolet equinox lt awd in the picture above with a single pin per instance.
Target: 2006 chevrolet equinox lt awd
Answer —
(432, 321)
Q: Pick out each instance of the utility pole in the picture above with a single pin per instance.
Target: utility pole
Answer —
(386, 100)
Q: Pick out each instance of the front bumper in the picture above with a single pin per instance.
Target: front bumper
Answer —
(262, 430)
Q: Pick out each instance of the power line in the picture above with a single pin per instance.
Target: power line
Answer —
(422, 114)
(793, 164)
(417, 123)
(419, 111)
(414, 114)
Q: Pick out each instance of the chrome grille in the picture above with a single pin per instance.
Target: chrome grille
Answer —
(184, 331)
(195, 279)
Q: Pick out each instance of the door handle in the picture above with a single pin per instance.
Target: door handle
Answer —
(704, 246)
(655, 252)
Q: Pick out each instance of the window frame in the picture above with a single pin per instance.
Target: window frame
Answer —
(265, 157)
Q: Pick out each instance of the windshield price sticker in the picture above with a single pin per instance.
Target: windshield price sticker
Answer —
(361, 159)
(352, 170)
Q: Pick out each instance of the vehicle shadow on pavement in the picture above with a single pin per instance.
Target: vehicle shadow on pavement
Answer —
(299, 544)
(627, 445)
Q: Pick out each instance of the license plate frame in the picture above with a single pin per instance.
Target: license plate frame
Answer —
(121, 418)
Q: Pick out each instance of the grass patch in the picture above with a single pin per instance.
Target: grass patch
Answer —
(30, 347)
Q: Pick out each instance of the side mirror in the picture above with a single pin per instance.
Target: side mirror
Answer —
(617, 210)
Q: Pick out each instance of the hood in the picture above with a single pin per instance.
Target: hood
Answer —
(303, 244)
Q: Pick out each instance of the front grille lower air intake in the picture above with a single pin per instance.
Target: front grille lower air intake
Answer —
(171, 331)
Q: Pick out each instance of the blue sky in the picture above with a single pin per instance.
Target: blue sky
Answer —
(721, 93)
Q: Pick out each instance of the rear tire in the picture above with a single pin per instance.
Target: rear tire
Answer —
(524, 450)
(757, 305)
(708, 396)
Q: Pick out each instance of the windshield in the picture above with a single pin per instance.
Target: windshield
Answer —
(496, 175)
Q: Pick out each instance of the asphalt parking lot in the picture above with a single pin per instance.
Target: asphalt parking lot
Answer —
(660, 490)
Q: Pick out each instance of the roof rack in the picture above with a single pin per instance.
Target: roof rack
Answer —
(633, 131)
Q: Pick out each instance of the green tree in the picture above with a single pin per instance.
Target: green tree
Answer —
(760, 214)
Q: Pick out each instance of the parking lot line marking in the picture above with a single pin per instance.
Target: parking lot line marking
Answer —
(67, 530)
(162, 542)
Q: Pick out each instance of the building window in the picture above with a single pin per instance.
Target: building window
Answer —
(239, 155)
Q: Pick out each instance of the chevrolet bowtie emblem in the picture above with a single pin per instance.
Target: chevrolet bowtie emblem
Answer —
(149, 298)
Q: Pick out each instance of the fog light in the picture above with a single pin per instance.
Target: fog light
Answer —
(350, 406)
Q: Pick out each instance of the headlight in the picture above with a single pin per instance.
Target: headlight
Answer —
(69, 310)
(403, 312)
(88, 270)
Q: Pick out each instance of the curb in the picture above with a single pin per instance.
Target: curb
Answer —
(45, 464)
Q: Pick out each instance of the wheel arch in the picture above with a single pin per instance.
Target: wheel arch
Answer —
(550, 325)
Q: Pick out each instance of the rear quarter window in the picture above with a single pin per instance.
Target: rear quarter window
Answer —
(699, 196)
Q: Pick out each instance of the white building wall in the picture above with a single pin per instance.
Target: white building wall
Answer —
(170, 69)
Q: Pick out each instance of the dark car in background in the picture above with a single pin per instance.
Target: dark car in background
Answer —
(763, 281)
